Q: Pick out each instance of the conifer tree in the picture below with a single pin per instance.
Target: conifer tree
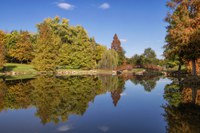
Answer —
(116, 45)
(47, 46)
(182, 30)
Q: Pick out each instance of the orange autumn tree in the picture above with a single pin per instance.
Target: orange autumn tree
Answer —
(183, 31)
(116, 45)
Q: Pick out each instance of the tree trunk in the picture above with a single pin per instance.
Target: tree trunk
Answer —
(194, 72)
(194, 94)
(179, 69)
(4, 69)
(179, 66)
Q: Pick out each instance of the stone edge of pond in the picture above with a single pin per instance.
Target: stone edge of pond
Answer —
(63, 73)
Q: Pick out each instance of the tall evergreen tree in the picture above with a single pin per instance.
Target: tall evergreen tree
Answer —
(116, 45)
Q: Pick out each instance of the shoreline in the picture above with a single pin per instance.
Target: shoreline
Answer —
(61, 72)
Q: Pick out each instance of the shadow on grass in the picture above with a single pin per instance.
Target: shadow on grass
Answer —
(9, 68)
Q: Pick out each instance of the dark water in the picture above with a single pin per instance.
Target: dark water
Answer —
(98, 104)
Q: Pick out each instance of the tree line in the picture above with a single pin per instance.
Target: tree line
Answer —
(148, 60)
(56, 44)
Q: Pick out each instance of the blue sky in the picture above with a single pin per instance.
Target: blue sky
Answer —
(138, 23)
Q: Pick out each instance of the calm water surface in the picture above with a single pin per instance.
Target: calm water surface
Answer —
(98, 104)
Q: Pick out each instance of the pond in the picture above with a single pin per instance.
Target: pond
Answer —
(98, 104)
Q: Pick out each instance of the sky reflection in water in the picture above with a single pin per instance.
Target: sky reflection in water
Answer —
(98, 104)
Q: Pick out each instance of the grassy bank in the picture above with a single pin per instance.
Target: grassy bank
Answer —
(25, 70)
(14, 67)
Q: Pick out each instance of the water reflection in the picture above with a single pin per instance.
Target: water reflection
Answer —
(148, 82)
(56, 98)
(182, 112)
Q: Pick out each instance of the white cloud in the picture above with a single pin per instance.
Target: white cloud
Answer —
(104, 129)
(65, 6)
(123, 94)
(64, 128)
(104, 6)
(123, 40)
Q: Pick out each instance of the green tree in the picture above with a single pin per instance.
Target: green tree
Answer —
(145, 59)
(148, 82)
(11, 40)
(23, 49)
(137, 60)
(150, 56)
(99, 51)
(2, 48)
(80, 53)
(47, 47)
(109, 60)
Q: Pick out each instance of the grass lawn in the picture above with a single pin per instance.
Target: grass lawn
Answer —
(136, 70)
(19, 67)
(183, 67)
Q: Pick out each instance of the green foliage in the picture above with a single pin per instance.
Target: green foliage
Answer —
(2, 48)
(47, 46)
(137, 60)
(109, 60)
(22, 50)
(57, 45)
(19, 46)
(150, 57)
(173, 94)
(99, 51)
(11, 40)
(148, 82)
(80, 53)
(122, 57)
(147, 58)
(60, 44)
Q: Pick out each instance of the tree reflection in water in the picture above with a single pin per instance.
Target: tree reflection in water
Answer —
(182, 112)
(148, 82)
(56, 98)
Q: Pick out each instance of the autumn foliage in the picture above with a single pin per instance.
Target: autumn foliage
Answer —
(183, 32)
(2, 48)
